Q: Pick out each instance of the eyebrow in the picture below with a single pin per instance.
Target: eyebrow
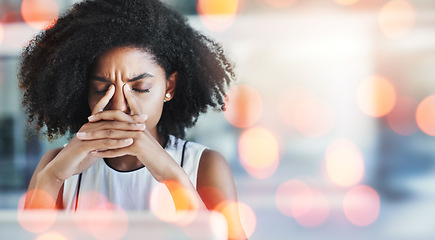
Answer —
(139, 77)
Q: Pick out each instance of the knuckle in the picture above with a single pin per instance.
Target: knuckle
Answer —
(107, 142)
(109, 133)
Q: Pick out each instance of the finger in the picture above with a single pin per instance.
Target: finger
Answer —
(108, 134)
(108, 144)
(99, 107)
(132, 103)
(111, 153)
(110, 125)
(117, 115)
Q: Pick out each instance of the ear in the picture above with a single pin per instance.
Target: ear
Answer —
(171, 82)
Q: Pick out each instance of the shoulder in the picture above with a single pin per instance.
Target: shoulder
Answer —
(212, 160)
(213, 170)
(215, 179)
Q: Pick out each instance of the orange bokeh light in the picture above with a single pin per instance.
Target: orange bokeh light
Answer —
(166, 201)
(344, 163)
(396, 18)
(318, 213)
(294, 198)
(211, 195)
(401, 119)
(259, 152)
(302, 110)
(244, 106)
(218, 15)
(361, 205)
(376, 96)
(281, 3)
(51, 236)
(40, 14)
(425, 115)
(246, 215)
(346, 2)
(30, 220)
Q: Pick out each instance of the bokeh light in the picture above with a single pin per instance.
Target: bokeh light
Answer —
(244, 106)
(301, 110)
(218, 223)
(92, 200)
(425, 115)
(109, 222)
(376, 96)
(318, 212)
(281, 3)
(168, 201)
(346, 2)
(259, 152)
(344, 163)
(396, 18)
(294, 198)
(361, 205)
(247, 218)
(211, 195)
(402, 118)
(51, 236)
(33, 220)
(1, 33)
(218, 15)
(40, 14)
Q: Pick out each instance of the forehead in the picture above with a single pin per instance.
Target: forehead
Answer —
(125, 59)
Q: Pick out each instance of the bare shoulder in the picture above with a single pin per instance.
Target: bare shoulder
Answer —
(214, 174)
(211, 159)
(213, 166)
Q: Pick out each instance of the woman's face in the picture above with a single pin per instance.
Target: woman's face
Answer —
(146, 79)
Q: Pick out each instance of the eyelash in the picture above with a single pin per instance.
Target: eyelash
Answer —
(102, 92)
(141, 91)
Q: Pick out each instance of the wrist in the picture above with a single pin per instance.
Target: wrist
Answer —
(47, 178)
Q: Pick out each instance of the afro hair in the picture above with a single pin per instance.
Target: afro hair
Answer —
(56, 64)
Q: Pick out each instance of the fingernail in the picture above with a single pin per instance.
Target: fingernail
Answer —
(81, 134)
(143, 116)
(140, 125)
(91, 117)
(127, 87)
(128, 140)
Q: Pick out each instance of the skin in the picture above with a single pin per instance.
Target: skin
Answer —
(127, 90)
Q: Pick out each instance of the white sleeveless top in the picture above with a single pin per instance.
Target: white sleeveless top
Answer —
(128, 190)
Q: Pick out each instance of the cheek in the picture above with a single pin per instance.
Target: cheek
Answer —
(152, 105)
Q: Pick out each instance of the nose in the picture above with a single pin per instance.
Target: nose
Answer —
(118, 101)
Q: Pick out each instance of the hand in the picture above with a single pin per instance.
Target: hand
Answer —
(75, 156)
(144, 147)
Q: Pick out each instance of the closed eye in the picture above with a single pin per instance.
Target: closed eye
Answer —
(141, 90)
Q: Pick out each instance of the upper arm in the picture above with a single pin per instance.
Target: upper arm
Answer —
(215, 182)
(215, 186)
(46, 159)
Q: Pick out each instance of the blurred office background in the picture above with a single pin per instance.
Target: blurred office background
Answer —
(329, 130)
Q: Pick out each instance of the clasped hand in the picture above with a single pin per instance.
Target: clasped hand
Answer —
(109, 134)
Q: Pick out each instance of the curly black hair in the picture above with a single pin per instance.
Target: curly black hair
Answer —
(55, 66)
